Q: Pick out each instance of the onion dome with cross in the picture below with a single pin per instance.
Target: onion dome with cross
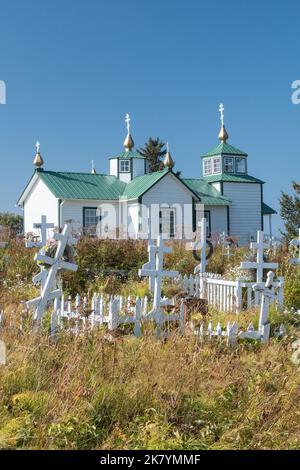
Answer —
(38, 160)
(129, 163)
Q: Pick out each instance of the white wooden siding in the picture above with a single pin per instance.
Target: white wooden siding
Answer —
(245, 209)
(126, 177)
(133, 219)
(113, 167)
(170, 192)
(218, 218)
(40, 201)
(217, 186)
(72, 211)
(138, 168)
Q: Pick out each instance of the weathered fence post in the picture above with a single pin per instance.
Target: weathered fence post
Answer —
(113, 315)
(138, 313)
(238, 296)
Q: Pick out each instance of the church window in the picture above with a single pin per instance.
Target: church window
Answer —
(90, 220)
(124, 166)
(167, 222)
(240, 165)
(207, 167)
(216, 165)
(228, 165)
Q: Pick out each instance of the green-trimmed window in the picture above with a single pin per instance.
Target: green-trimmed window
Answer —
(124, 166)
(91, 218)
(229, 164)
(207, 167)
(217, 165)
(240, 165)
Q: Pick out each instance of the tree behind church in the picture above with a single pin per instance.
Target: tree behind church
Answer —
(13, 222)
(290, 212)
(154, 151)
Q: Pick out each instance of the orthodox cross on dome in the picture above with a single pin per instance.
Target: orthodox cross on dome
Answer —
(128, 142)
(127, 120)
(223, 136)
(38, 160)
(222, 109)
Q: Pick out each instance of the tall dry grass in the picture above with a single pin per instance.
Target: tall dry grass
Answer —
(99, 392)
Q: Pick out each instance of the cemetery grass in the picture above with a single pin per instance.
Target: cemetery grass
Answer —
(120, 392)
(99, 391)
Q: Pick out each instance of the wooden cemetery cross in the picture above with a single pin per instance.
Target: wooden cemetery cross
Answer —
(150, 265)
(296, 242)
(201, 268)
(43, 226)
(259, 265)
(55, 263)
(158, 274)
(268, 294)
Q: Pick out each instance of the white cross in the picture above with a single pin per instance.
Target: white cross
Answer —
(260, 264)
(56, 263)
(267, 291)
(222, 109)
(43, 226)
(150, 265)
(127, 120)
(296, 242)
(38, 146)
(201, 268)
(158, 274)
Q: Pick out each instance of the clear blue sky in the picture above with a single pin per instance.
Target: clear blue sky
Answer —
(74, 68)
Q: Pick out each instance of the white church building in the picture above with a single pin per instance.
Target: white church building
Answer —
(132, 200)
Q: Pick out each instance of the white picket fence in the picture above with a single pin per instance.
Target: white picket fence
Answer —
(78, 316)
(227, 296)
(231, 332)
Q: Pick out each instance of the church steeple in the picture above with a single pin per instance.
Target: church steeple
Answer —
(128, 142)
(129, 163)
(38, 160)
(168, 160)
(224, 158)
(223, 136)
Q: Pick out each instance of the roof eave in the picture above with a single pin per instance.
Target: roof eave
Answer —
(27, 189)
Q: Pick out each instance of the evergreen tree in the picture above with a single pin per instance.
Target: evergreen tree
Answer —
(290, 212)
(154, 151)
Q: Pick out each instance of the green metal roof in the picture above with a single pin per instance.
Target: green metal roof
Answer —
(208, 194)
(267, 210)
(140, 184)
(232, 178)
(129, 154)
(225, 149)
(67, 185)
(82, 185)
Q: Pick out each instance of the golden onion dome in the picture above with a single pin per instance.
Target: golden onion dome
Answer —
(223, 136)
